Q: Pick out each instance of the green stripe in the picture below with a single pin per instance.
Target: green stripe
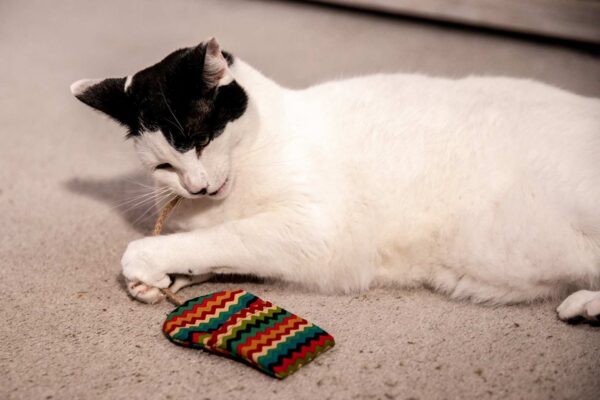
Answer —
(187, 306)
(303, 361)
(262, 315)
(216, 320)
(290, 343)
(222, 316)
(255, 330)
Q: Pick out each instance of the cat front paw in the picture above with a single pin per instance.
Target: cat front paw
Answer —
(144, 293)
(141, 263)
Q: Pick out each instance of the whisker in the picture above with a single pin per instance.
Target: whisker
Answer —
(153, 187)
(175, 125)
(156, 208)
(151, 207)
(170, 110)
(142, 197)
(126, 208)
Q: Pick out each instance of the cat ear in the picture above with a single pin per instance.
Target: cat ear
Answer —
(200, 70)
(108, 96)
(216, 71)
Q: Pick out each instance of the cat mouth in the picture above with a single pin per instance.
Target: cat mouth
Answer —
(216, 192)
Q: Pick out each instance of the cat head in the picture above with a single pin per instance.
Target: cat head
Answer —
(177, 113)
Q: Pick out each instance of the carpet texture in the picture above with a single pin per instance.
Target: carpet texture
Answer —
(67, 180)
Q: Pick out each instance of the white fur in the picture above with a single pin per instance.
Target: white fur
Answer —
(128, 82)
(482, 188)
(190, 172)
(77, 88)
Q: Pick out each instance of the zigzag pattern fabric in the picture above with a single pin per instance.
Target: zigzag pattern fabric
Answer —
(246, 328)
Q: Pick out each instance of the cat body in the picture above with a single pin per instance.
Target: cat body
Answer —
(482, 188)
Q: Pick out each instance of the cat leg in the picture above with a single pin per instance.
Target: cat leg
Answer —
(266, 245)
(151, 295)
(182, 281)
(583, 303)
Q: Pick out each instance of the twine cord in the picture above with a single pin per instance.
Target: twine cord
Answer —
(158, 226)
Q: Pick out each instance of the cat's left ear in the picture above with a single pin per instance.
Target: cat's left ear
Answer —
(108, 96)
(216, 71)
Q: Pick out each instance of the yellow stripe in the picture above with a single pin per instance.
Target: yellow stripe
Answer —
(240, 322)
(224, 307)
(266, 349)
(254, 343)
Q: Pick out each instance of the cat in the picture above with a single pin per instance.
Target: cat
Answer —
(483, 188)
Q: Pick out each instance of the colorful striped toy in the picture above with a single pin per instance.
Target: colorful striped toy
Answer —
(246, 328)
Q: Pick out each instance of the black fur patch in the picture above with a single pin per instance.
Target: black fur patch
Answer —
(228, 57)
(172, 96)
(108, 96)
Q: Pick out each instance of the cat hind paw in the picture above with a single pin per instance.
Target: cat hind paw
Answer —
(581, 304)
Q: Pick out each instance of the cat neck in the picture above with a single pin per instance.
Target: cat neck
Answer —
(253, 81)
(266, 102)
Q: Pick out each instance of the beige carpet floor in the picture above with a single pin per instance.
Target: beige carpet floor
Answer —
(68, 329)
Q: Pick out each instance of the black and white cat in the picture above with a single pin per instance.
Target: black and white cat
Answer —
(482, 188)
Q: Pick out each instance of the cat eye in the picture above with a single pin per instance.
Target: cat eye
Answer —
(203, 140)
(163, 166)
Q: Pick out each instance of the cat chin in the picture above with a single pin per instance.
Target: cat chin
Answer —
(223, 191)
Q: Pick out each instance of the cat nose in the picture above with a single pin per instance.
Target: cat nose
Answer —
(194, 184)
(194, 189)
(202, 191)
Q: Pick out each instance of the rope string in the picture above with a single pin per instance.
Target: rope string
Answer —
(158, 226)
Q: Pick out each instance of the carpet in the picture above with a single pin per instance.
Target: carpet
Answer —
(69, 330)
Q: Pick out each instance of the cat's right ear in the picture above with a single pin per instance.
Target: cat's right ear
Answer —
(108, 96)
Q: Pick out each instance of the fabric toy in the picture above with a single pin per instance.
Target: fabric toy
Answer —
(246, 328)
(243, 327)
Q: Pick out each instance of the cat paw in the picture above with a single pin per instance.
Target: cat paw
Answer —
(141, 263)
(152, 295)
(144, 293)
(581, 304)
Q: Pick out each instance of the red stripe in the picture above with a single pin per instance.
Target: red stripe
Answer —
(301, 353)
(182, 321)
(196, 337)
(294, 327)
(268, 330)
(255, 307)
(179, 320)
(220, 298)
